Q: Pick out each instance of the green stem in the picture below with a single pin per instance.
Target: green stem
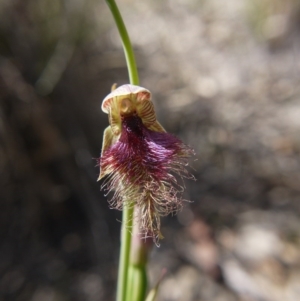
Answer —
(127, 212)
(137, 276)
(124, 253)
(129, 55)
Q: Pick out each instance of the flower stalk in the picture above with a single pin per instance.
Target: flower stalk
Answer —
(127, 216)
(141, 163)
(128, 51)
(137, 275)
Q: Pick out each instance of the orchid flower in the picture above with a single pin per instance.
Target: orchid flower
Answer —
(141, 160)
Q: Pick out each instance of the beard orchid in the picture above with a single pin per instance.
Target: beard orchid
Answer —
(141, 160)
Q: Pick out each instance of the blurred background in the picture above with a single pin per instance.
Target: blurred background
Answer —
(225, 78)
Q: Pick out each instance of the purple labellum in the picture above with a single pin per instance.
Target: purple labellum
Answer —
(141, 163)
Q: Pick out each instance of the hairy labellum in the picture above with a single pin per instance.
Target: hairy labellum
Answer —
(140, 160)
